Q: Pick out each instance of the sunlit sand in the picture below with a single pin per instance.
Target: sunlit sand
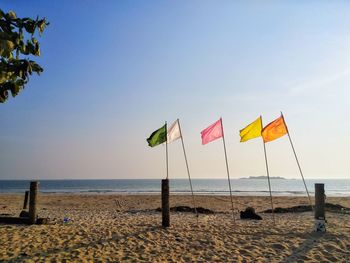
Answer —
(126, 228)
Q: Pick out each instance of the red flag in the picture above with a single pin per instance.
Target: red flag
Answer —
(212, 133)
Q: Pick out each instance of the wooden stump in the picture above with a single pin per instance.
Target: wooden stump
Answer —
(320, 217)
(25, 200)
(32, 201)
(165, 203)
(319, 201)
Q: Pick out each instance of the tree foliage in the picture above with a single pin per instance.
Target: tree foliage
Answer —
(17, 42)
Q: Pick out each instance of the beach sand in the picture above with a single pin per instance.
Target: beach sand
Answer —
(125, 228)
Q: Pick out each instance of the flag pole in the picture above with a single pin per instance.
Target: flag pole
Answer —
(228, 172)
(268, 177)
(188, 171)
(296, 158)
(166, 152)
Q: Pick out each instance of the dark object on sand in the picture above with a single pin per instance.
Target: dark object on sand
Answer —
(249, 213)
(24, 214)
(25, 203)
(165, 203)
(5, 214)
(187, 209)
(33, 197)
(22, 220)
(27, 217)
(335, 208)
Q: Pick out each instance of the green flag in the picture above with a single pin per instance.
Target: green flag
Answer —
(157, 137)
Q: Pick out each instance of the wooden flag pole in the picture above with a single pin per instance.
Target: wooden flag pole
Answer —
(166, 152)
(228, 172)
(296, 158)
(268, 176)
(188, 171)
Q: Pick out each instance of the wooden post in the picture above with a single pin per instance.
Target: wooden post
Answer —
(32, 201)
(165, 203)
(25, 200)
(320, 223)
(319, 201)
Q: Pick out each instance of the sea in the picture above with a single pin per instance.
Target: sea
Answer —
(240, 187)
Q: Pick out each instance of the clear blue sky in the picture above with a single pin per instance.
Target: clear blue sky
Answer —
(116, 70)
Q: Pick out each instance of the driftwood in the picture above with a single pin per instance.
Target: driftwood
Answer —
(22, 220)
(5, 214)
(187, 209)
(335, 208)
(24, 213)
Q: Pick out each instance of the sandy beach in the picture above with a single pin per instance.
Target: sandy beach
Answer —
(125, 228)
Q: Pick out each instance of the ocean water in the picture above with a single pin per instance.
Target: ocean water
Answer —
(256, 187)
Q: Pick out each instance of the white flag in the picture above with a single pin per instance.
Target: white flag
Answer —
(174, 132)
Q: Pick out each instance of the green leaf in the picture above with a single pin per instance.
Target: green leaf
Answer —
(30, 26)
(15, 89)
(3, 96)
(17, 41)
(37, 49)
(12, 14)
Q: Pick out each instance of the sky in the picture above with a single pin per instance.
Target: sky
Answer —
(115, 71)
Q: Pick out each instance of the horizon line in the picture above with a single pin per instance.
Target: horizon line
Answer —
(181, 178)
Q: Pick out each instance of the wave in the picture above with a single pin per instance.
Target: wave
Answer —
(178, 186)
(186, 192)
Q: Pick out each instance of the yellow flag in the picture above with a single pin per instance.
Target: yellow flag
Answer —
(252, 131)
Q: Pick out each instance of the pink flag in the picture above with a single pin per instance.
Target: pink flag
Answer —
(212, 133)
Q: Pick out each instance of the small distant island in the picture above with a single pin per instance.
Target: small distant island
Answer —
(263, 177)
